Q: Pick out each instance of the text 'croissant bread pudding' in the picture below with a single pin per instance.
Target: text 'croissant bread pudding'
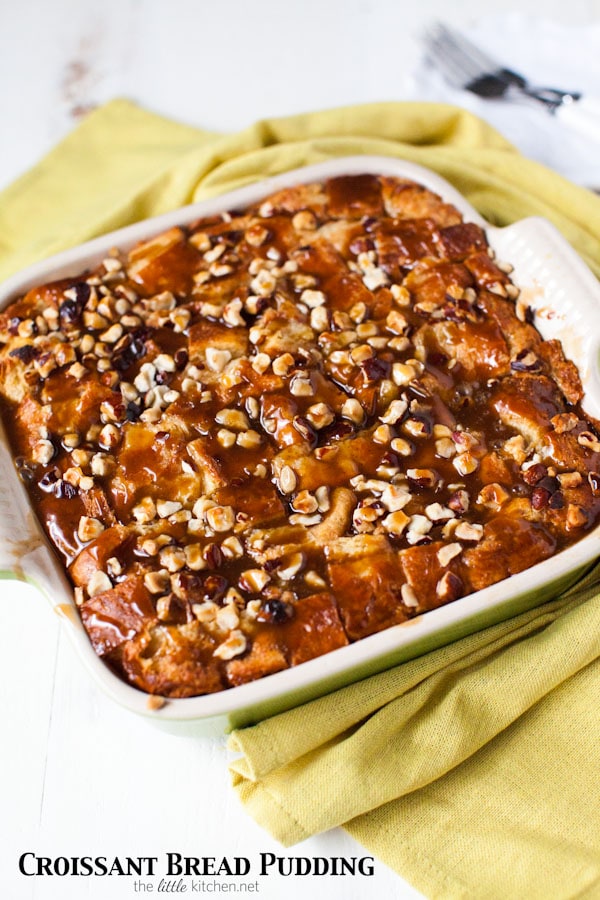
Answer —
(276, 431)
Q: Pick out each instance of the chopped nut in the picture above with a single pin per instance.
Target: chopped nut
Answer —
(215, 253)
(576, 516)
(89, 528)
(305, 502)
(172, 558)
(570, 479)
(200, 241)
(77, 371)
(319, 415)
(418, 528)
(400, 295)
(232, 547)
(226, 438)
(417, 428)
(157, 582)
(319, 319)
(254, 580)
(282, 364)
(154, 702)
(166, 508)
(396, 322)
(312, 298)
(449, 587)
(73, 475)
(216, 360)
(227, 617)
(426, 478)
(253, 407)
(94, 321)
(164, 363)
(465, 463)
(71, 440)
(301, 386)
(400, 344)
(249, 440)
(164, 301)
(493, 496)
(374, 277)
(448, 552)
(365, 330)
(287, 480)
(438, 513)
(395, 522)
(232, 418)
(466, 531)
(515, 448)
(383, 434)
(112, 265)
(220, 518)
(304, 220)
(322, 498)
(114, 567)
(564, 422)
(109, 437)
(445, 448)
(205, 612)
(261, 363)
(264, 283)
(313, 580)
(163, 607)
(589, 441)
(82, 457)
(256, 235)
(302, 519)
(219, 270)
(210, 310)
(402, 447)
(194, 559)
(232, 647)
(180, 319)
(43, 452)
(394, 412)
(292, 566)
(358, 312)
(395, 497)
(112, 335)
(98, 583)
(352, 409)
(409, 598)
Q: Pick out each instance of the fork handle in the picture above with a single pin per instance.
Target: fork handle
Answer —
(581, 115)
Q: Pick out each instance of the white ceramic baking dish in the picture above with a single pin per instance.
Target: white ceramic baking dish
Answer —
(566, 297)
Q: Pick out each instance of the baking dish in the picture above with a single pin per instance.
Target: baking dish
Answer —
(553, 281)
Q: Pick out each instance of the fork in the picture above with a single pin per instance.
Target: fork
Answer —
(469, 68)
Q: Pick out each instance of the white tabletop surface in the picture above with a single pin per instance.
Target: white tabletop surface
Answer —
(79, 775)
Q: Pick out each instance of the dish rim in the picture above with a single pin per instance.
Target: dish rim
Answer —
(41, 567)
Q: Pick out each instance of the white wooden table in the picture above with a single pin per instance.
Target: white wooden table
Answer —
(78, 775)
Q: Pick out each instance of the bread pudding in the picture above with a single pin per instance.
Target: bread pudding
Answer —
(260, 437)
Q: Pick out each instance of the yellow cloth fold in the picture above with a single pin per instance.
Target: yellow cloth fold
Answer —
(473, 771)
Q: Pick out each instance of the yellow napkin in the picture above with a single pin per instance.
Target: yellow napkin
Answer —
(474, 770)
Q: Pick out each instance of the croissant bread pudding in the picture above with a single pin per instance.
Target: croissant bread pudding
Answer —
(258, 438)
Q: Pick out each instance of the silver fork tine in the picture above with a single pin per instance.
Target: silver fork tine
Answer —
(474, 60)
(457, 69)
(452, 72)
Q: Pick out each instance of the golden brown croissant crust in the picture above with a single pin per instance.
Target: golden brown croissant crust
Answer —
(278, 430)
